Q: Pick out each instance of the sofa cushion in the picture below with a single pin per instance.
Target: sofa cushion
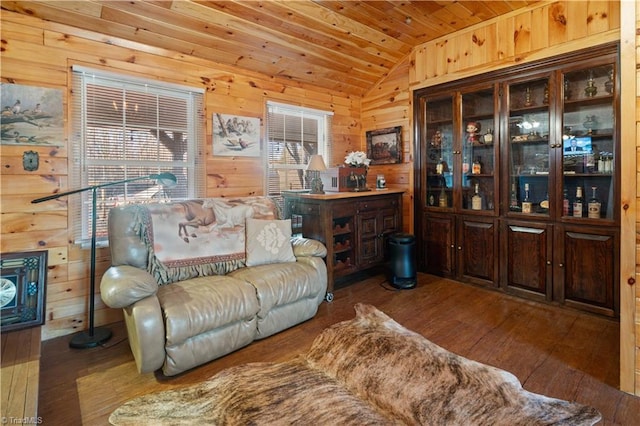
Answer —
(268, 241)
(279, 284)
(198, 305)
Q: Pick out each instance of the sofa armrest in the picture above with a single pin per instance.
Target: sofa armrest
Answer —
(122, 286)
(304, 247)
(145, 328)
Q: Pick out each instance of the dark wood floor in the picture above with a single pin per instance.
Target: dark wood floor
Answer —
(553, 351)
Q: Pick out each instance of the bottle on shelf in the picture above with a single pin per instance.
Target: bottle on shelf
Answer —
(593, 207)
(514, 206)
(565, 203)
(527, 205)
(476, 168)
(442, 167)
(578, 203)
(544, 204)
(442, 198)
(465, 164)
(476, 200)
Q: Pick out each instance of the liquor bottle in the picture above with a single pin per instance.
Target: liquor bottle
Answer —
(476, 168)
(527, 205)
(476, 200)
(442, 198)
(593, 207)
(440, 167)
(578, 203)
(565, 203)
(465, 164)
(514, 206)
(544, 204)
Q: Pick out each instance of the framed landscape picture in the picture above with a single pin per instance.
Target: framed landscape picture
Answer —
(384, 145)
(31, 115)
(234, 135)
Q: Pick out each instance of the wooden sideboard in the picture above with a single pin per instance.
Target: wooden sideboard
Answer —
(352, 225)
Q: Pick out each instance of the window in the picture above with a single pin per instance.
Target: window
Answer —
(293, 135)
(124, 128)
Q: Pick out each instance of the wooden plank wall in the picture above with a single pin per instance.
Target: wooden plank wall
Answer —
(388, 104)
(545, 29)
(39, 53)
(630, 325)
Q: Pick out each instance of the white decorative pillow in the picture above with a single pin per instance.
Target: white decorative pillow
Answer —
(268, 241)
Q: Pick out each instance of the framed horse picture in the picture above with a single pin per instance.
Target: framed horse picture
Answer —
(384, 145)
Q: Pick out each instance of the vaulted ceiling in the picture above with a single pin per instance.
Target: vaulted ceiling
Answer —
(347, 46)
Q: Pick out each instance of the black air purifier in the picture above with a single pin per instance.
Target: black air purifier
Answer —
(402, 265)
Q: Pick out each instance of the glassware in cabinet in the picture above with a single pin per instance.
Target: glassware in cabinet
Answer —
(528, 146)
(588, 140)
(477, 149)
(439, 161)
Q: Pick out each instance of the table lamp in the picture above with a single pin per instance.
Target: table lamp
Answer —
(315, 166)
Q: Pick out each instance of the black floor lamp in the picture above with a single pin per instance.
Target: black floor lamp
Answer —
(96, 336)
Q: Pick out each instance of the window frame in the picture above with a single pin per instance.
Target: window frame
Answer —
(324, 142)
(194, 165)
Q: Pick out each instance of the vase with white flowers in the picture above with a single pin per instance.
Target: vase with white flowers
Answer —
(358, 161)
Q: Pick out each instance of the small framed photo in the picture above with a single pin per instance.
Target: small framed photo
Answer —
(22, 289)
(384, 145)
(234, 135)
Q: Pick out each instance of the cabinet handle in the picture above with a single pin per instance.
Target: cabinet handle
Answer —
(561, 265)
(459, 248)
(548, 262)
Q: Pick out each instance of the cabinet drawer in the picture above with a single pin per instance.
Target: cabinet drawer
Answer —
(377, 204)
(306, 209)
(342, 210)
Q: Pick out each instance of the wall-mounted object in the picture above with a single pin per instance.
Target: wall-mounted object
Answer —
(384, 145)
(234, 135)
(30, 161)
(31, 115)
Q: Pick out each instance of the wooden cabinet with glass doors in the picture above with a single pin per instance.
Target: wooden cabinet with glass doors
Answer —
(546, 138)
(459, 175)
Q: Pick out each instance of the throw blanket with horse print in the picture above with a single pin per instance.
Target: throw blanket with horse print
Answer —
(198, 237)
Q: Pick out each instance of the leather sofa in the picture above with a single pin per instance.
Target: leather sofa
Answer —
(191, 285)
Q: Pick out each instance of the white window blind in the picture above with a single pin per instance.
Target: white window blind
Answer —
(294, 134)
(124, 128)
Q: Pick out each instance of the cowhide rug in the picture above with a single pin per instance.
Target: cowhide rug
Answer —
(366, 371)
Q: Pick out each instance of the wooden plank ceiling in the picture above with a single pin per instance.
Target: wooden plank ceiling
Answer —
(345, 46)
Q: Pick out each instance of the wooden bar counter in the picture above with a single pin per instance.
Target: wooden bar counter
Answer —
(353, 225)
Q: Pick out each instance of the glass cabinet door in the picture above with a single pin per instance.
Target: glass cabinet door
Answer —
(528, 141)
(588, 148)
(439, 159)
(477, 150)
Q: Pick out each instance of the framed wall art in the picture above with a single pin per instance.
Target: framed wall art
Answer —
(31, 115)
(235, 135)
(22, 289)
(384, 145)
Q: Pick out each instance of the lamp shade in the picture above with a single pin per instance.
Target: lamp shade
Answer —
(165, 179)
(316, 163)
